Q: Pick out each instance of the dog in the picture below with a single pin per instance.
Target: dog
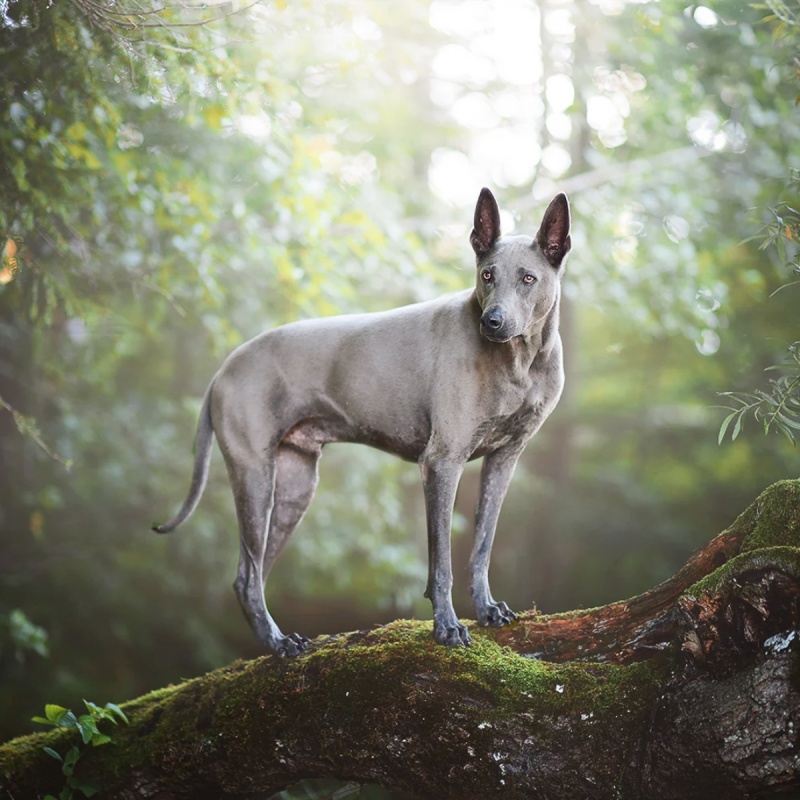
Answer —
(440, 383)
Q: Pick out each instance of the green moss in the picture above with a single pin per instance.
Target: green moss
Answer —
(770, 528)
(24, 747)
(774, 518)
(781, 557)
(404, 652)
(574, 613)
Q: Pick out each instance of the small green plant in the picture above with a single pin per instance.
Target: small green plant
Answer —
(91, 736)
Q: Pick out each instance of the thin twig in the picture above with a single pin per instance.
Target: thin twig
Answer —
(27, 427)
(782, 12)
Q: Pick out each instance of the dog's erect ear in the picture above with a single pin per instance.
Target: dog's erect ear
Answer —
(487, 223)
(553, 237)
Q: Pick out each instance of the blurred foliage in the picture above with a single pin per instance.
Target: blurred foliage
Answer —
(776, 407)
(166, 192)
(22, 637)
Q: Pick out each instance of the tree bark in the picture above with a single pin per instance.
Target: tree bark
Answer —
(690, 690)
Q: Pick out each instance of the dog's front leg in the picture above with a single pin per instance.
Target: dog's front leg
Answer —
(440, 480)
(496, 473)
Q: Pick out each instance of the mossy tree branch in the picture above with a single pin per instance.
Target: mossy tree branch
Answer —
(688, 690)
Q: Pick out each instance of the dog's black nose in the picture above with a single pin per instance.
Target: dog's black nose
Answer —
(492, 320)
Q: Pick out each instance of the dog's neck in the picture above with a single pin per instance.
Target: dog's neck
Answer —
(539, 338)
(548, 334)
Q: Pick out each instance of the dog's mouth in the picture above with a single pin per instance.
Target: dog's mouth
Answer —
(494, 336)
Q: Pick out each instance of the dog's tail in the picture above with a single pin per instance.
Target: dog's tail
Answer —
(202, 458)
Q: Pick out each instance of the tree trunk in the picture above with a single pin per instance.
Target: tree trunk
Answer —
(690, 690)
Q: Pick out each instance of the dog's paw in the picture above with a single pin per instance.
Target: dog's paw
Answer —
(452, 635)
(290, 645)
(495, 615)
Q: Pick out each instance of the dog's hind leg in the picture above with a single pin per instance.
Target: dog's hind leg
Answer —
(296, 480)
(253, 482)
(295, 483)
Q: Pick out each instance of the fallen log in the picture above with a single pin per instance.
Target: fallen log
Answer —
(689, 690)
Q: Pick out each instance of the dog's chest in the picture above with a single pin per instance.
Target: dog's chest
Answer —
(500, 432)
(519, 416)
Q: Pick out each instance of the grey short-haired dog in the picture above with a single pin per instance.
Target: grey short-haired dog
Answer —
(469, 375)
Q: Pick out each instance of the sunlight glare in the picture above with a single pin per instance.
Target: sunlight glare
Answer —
(453, 178)
(559, 126)
(509, 155)
(474, 111)
(366, 29)
(705, 17)
(497, 40)
(560, 92)
(556, 160)
(456, 63)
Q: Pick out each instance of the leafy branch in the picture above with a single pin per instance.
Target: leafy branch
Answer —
(781, 11)
(782, 231)
(776, 408)
(139, 14)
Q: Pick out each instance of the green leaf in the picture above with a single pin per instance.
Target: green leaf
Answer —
(86, 734)
(118, 711)
(69, 720)
(786, 432)
(737, 427)
(792, 423)
(100, 738)
(70, 759)
(724, 426)
(87, 727)
(52, 753)
(55, 713)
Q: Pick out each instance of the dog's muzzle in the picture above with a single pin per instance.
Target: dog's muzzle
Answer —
(493, 325)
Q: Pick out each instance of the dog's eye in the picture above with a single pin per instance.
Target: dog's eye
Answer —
(529, 279)
(486, 275)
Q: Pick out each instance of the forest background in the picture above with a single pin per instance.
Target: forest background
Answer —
(169, 189)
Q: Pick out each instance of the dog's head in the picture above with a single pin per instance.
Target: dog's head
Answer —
(518, 276)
